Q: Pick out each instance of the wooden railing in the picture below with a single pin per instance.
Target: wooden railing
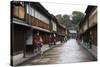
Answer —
(39, 23)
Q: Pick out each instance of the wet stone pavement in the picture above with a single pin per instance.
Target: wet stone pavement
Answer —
(69, 52)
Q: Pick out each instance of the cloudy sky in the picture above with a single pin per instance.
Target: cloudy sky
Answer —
(66, 6)
(63, 8)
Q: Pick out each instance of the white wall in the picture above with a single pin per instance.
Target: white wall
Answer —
(54, 26)
(29, 10)
(29, 37)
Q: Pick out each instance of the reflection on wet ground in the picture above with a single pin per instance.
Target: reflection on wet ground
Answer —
(69, 52)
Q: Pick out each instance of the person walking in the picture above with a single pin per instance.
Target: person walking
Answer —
(38, 42)
(35, 46)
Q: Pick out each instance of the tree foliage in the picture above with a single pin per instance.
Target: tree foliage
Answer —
(71, 24)
(77, 17)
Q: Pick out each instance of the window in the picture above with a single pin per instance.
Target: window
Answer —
(54, 27)
(33, 12)
(27, 9)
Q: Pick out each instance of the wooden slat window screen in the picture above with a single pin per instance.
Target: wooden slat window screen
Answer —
(18, 11)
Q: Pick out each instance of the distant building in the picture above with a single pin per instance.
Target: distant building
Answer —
(72, 33)
(58, 30)
(59, 17)
(61, 32)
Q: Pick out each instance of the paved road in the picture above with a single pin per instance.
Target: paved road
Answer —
(69, 52)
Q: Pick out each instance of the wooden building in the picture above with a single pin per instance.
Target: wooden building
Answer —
(58, 30)
(27, 19)
(72, 34)
(88, 28)
(61, 32)
(53, 29)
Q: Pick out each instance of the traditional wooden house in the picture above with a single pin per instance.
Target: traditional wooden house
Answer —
(53, 29)
(18, 30)
(27, 19)
(72, 33)
(61, 32)
(58, 30)
(88, 29)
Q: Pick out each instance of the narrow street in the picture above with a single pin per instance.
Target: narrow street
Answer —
(69, 52)
(66, 34)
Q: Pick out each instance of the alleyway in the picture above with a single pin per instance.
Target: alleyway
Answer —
(68, 52)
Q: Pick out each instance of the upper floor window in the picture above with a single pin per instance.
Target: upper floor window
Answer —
(29, 9)
(54, 26)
